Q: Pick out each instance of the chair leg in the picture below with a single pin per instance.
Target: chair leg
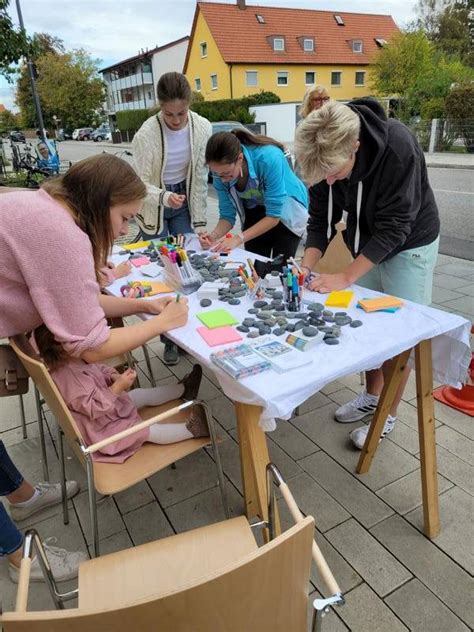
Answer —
(93, 507)
(23, 419)
(39, 411)
(362, 378)
(217, 457)
(63, 475)
(148, 365)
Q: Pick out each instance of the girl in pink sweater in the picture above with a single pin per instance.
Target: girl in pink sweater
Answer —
(102, 404)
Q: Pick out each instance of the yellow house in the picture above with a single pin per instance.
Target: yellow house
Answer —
(237, 49)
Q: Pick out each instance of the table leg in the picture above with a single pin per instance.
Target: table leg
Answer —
(391, 384)
(254, 458)
(426, 432)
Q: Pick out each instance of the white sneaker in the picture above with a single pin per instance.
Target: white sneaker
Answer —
(359, 435)
(64, 564)
(360, 407)
(48, 494)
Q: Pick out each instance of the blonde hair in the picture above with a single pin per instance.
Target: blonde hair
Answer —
(313, 91)
(325, 140)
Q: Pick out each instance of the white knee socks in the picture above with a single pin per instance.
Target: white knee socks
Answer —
(168, 433)
(157, 395)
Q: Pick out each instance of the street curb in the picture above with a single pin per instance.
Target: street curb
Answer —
(435, 165)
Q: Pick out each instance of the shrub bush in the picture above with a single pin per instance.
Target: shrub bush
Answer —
(459, 108)
(131, 120)
(233, 109)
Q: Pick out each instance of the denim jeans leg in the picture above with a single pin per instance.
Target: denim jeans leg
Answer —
(10, 538)
(10, 477)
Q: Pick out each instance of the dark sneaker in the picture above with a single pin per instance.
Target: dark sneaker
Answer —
(191, 383)
(171, 353)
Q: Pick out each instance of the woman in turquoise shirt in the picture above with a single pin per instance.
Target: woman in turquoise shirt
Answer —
(254, 180)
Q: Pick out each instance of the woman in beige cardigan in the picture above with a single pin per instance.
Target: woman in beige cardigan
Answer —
(169, 153)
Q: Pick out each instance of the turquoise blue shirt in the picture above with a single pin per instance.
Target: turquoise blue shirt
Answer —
(271, 181)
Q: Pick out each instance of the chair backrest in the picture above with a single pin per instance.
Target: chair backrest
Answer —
(43, 381)
(265, 591)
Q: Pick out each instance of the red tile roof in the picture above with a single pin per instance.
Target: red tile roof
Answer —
(242, 39)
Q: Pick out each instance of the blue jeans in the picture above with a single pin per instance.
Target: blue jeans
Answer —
(10, 480)
(175, 220)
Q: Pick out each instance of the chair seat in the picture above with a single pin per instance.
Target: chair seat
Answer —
(163, 566)
(111, 478)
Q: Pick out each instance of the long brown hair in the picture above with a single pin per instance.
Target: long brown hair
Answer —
(51, 352)
(89, 189)
(225, 147)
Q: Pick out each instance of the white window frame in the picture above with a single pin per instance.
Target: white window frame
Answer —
(280, 74)
(203, 48)
(260, 18)
(357, 46)
(196, 81)
(363, 73)
(308, 40)
(336, 85)
(251, 85)
(216, 86)
(312, 83)
(339, 20)
(279, 39)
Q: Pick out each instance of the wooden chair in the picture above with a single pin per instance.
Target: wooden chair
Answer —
(111, 478)
(212, 579)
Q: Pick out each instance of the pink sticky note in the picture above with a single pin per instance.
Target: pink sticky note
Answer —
(219, 335)
(141, 261)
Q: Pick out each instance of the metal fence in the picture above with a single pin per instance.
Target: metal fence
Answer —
(442, 134)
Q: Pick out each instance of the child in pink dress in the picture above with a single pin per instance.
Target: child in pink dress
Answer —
(98, 396)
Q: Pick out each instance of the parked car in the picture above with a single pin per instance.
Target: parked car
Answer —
(17, 137)
(85, 133)
(226, 126)
(101, 133)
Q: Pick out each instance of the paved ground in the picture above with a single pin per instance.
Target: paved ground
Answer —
(368, 526)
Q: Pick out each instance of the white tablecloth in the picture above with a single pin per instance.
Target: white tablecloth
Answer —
(382, 336)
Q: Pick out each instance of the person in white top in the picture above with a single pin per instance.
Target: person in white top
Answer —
(169, 153)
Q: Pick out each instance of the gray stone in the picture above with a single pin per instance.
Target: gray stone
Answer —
(290, 327)
(278, 294)
(279, 331)
(234, 301)
(328, 312)
(253, 334)
(243, 329)
(240, 294)
(340, 314)
(310, 331)
(331, 341)
(205, 302)
(328, 319)
(271, 322)
(260, 304)
(281, 321)
(325, 329)
(253, 310)
(365, 612)
(315, 307)
(280, 308)
(248, 322)
(356, 323)
(300, 324)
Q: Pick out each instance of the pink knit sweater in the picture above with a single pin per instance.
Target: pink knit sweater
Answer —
(47, 273)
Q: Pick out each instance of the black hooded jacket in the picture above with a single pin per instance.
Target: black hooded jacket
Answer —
(397, 206)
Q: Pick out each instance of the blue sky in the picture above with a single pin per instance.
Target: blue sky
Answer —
(111, 30)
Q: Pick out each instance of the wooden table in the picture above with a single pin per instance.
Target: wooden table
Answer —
(254, 455)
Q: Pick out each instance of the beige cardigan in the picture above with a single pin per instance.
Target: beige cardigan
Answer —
(149, 148)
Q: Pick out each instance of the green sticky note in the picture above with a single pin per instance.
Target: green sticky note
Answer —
(217, 318)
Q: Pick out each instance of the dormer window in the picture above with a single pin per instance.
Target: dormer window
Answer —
(260, 18)
(278, 44)
(357, 46)
(308, 44)
(339, 20)
(380, 41)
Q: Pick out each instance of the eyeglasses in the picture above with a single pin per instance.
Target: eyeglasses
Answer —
(320, 99)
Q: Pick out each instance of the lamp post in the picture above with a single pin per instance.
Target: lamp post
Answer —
(29, 63)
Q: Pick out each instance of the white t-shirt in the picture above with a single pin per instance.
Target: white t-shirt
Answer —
(178, 156)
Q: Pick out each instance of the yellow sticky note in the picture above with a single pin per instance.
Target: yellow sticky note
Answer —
(342, 298)
(376, 304)
(157, 287)
(137, 244)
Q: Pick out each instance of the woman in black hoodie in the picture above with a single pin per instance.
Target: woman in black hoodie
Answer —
(372, 167)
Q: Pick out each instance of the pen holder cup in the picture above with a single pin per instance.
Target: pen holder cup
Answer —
(184, 281)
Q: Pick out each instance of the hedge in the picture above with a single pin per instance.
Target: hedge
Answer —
(131, 119)
(233, 109)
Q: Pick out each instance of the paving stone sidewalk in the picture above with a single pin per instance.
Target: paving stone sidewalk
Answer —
(369, 526)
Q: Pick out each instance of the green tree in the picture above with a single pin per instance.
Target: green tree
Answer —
(68, 86)
(42, 43)
(8, 121)
(449, 24)
(14, 44)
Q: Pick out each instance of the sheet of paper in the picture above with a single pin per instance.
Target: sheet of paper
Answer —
(219, 335)
(217, 318)
(140, 261)
(151, 270)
